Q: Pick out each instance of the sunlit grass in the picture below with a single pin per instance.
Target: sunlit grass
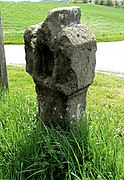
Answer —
(105, 22)
(19, 80)
(90, 150)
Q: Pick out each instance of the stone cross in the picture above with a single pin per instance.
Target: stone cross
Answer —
(60, 56)
(3, 71)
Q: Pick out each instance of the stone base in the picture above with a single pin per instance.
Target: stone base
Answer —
(59, 110)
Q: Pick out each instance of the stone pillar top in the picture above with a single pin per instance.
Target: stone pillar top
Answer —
(66, 16)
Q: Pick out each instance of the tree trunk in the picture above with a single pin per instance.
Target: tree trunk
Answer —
(3, 70)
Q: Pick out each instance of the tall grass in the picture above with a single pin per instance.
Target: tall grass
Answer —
(93, 149)
(16, 122)
(90, 150)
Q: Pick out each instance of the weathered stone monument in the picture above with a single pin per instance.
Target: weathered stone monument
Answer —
(3, 71)
(60, 56)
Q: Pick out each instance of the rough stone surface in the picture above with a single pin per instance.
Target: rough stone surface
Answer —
(3, 71)
(60, 56)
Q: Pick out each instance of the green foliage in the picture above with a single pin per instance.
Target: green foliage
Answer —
(96, 1)
(78, 1)
(105, 22)
(109, 3)
(92, 149)
(101, 2)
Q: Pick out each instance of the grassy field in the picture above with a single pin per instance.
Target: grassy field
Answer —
(92, 150)
(105, 22)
